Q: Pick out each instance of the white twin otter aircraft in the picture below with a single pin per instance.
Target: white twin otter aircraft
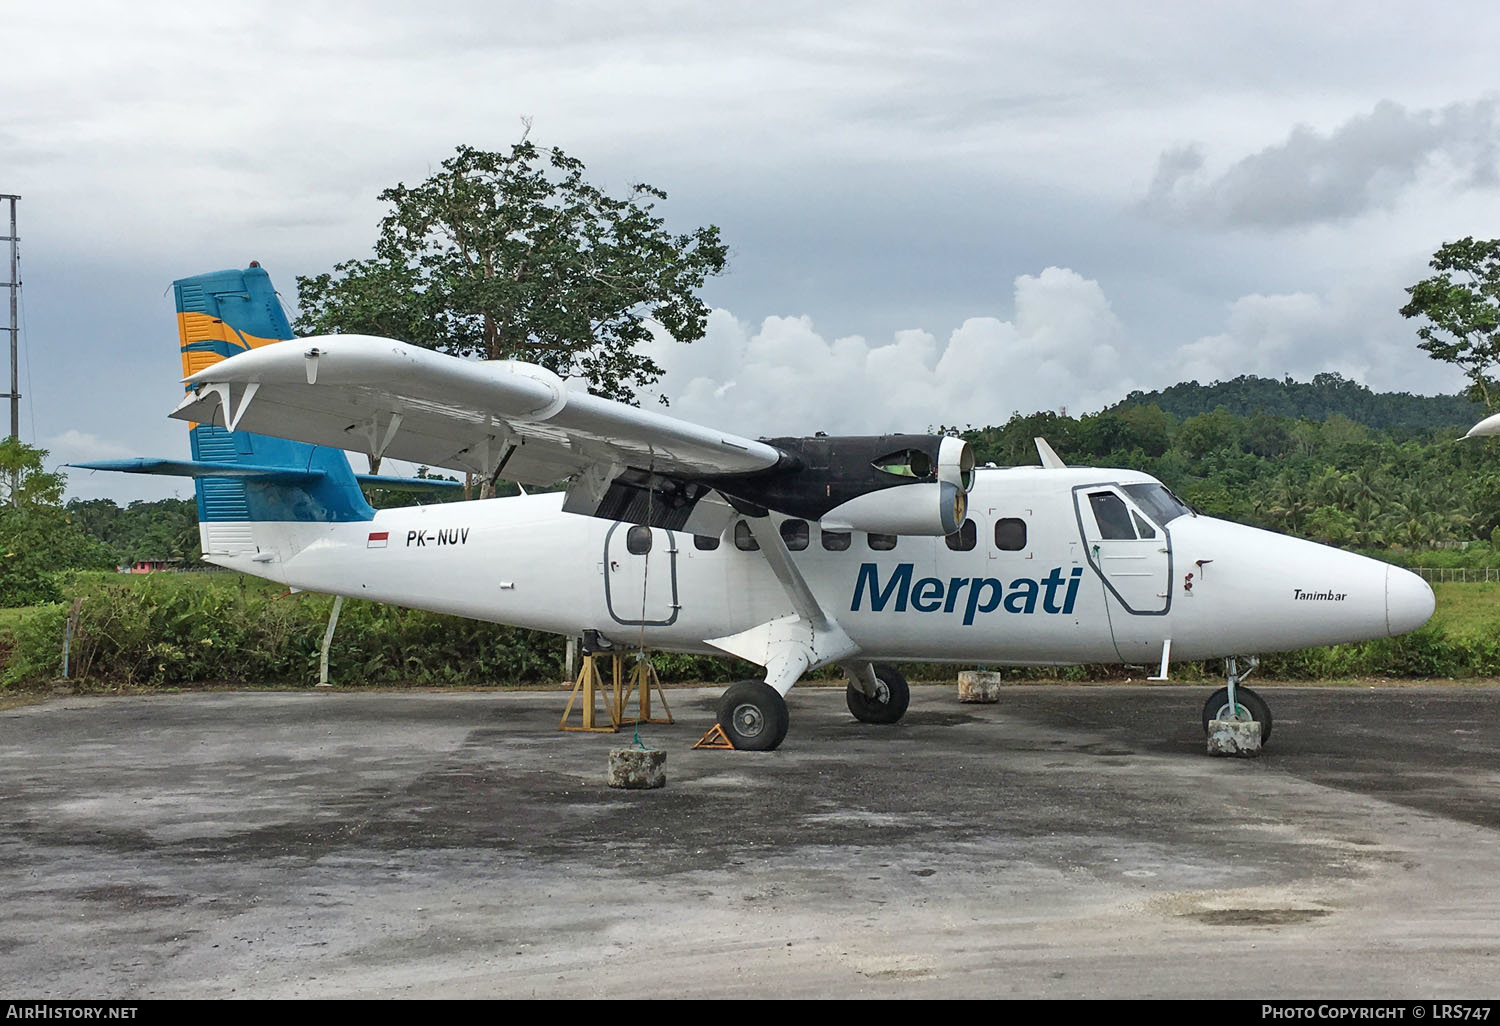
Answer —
(791, 553)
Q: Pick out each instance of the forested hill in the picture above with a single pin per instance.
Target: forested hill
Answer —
(1328, 460)
(1319, 399)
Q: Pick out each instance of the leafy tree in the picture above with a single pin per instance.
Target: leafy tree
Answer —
(1484, 515)
(37, 538)
(1208, 432)
(515, 255)
(23, 482)
(1462, 305)
(1147, 429)
(162, 529)
(1325, 395)
(1266, 436)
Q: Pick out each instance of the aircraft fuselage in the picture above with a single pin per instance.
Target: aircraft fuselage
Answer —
(1061, 566)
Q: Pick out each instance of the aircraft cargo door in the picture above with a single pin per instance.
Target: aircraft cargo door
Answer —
(640, 576)
(1133, 557)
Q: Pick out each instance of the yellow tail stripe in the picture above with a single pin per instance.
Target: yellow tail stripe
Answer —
(197, 328)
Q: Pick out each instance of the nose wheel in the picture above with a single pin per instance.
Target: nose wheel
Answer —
(1237, 702)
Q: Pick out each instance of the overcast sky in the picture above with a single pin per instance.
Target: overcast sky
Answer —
(938, 213)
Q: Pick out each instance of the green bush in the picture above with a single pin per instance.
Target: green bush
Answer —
(183, 629)
(172, 629)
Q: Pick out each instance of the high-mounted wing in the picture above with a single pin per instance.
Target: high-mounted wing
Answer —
(520, 422)
(252, 382)
(493, 419)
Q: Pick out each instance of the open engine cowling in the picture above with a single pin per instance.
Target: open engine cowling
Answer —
(886, 484)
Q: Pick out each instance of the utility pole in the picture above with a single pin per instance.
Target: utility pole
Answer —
(15, 284)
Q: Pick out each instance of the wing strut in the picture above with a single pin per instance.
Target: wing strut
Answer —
(788, 646)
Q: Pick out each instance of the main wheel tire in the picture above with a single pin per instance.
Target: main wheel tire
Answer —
(753, 715)
(1251, 707)
(892, 696)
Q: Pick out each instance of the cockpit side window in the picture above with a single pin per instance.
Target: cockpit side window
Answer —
(1145, 529)
(1158, 502)
(1111, 515)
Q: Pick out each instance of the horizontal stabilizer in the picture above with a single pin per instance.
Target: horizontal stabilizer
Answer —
(202, 468)
(409, 484)
(284, 475)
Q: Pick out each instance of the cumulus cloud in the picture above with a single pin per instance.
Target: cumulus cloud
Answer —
(1265, 336)
(1346, 329)
(74, 446)
(1060, 348)
(1310, 177)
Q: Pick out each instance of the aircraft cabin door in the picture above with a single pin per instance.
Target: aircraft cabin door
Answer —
(1131, 554)
(640, 576)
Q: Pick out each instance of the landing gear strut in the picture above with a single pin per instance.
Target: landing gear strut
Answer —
(888, 705)
(1236, 702)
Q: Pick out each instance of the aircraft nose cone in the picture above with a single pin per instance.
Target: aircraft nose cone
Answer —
(1408, 601)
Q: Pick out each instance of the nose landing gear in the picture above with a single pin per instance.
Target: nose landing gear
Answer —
(888, 703)
(1236, 702)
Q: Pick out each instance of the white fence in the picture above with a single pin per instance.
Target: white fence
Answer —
(1439, 573)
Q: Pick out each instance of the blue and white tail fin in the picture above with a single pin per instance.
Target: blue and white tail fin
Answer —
(242, 479)
(219, 315)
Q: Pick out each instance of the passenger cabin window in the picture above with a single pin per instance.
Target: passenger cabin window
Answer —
(638, 540)
(1111, 515)
(795, 534)
(965, 538)
(882, 542)
(1010, 534)
(836, 541)
(707, 543)
(743, 539)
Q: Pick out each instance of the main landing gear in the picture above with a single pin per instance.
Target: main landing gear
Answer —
(1236, 702)
(888, 704)
(754, 718)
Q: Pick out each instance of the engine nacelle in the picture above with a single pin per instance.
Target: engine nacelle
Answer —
(935, 508)
(956, 465)
(888, 484)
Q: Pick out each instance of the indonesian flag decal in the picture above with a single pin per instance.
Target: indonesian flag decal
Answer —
(378, 539)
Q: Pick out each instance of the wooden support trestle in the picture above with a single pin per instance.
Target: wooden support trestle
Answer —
(592, 686)
(643, 681)
(600, 684)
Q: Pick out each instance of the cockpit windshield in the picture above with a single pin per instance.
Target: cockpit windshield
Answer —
(1157, 501)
